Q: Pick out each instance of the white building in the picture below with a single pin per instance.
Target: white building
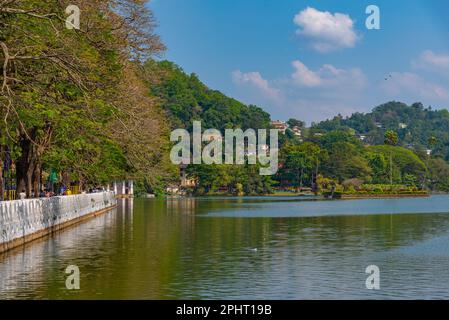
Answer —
(297, 131)
(124, 188)
(280, 125)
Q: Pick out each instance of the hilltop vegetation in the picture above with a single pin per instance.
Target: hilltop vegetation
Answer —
(336, 156)
(418, 128)
(186, 99)
(393, 144)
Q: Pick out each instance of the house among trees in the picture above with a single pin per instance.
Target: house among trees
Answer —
(362, 137)
(185, 181)
(280, 125)
(296, 131)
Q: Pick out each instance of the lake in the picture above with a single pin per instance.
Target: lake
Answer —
(242, 248)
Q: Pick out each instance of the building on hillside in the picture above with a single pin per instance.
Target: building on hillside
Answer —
(402, 126)
(297, 131)
(280, 125)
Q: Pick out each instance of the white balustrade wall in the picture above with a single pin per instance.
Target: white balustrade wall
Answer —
(21, 218)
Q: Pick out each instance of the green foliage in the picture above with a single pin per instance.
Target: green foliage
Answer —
(295, 123)
(230, 179)
(438, 177)
(417, 127)
(345, 161)
(185, 99)
(391, 138)
(405, 162)
(69, 100)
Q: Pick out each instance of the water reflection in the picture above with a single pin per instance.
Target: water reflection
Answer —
(205, 248)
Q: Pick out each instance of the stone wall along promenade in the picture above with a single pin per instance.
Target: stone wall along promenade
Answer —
(22, 221)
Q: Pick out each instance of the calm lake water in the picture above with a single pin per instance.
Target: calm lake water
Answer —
(242, 248)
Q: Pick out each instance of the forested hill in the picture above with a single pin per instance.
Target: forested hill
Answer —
(185, 99)
(418, 128)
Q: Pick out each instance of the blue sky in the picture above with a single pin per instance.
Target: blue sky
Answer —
(311, 59)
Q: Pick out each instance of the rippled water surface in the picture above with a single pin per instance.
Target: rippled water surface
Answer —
(242, 248)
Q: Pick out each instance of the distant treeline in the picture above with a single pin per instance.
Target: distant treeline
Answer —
(329, 153)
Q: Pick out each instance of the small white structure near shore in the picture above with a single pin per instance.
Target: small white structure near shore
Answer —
(124, 189)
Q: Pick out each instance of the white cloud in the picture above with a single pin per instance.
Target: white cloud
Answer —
(303, 76)
(412, 85)
(327, 76)
(327, 31)
(307, 94)
(256, 80)
(432, 61)
(437, 60)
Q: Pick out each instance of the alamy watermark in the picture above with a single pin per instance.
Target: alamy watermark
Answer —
(373, 20)
(373, 280)
(73, 19)
(73, 280)
(189, 150)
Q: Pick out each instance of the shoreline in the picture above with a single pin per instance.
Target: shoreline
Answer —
(23, 221)
(320, 196)
(383, 196)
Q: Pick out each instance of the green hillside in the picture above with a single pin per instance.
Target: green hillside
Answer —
(418, 128)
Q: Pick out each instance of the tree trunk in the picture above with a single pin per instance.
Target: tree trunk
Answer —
(25, 166)
(37, 179)
(22, 165)
(2, 191)
(391, 169)
(29, 165)
(29, 180)
(299, 178)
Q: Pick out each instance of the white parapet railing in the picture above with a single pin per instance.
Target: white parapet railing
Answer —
(20, 219)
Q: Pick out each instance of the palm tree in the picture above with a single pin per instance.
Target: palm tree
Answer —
(431, 142)
(391, 139)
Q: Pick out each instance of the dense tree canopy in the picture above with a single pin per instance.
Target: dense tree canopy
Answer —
(73, 100)
(417, 127)
(186, 98)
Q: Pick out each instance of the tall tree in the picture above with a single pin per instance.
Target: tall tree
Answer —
(295, 123)
(391, 139)
(61, 89)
